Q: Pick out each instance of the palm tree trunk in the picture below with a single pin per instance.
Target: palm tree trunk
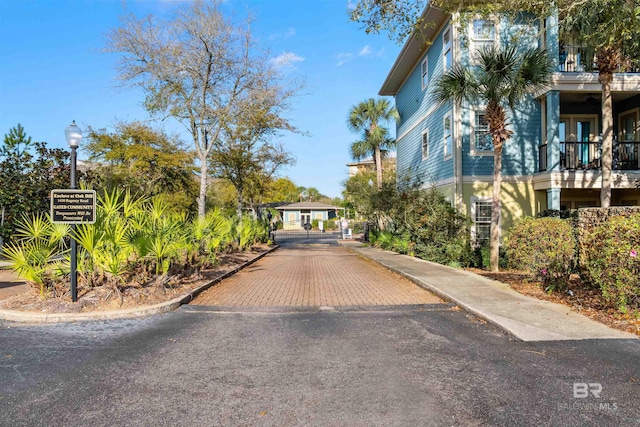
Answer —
(497, 118)
(494, 252)
(378, 161)
(607, 138)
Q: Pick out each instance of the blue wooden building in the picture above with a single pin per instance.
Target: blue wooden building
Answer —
(552, 160)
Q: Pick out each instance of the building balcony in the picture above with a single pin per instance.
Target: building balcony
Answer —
(586, 156)
(573, 60)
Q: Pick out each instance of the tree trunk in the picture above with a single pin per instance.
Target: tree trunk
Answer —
(378, 161)
(240, 203)
(494, 253)
(497, 118)
(607, 138)
(203, 188)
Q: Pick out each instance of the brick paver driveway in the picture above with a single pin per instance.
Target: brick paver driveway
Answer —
(314, 276)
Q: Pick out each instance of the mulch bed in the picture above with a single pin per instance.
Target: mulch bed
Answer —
(103, 298)
(581, 299)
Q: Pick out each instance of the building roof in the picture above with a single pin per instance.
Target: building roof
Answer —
(368, 161)
(307, 205)
(391, 156)
(413, 49)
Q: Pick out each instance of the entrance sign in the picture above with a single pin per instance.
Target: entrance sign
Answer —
(73, 206)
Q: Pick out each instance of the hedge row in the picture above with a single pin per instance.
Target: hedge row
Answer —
(603, 248)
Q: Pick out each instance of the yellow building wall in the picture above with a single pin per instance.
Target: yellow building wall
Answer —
(518, 199)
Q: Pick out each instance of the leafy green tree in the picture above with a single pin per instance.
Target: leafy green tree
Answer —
(312, 194)
(203, 71)
(28, 172)
(143, 160)
(16, 142)
(358, 192)
(503, 78)
(282, 190)
(400, 18)
(249, 166)
(222, 194)
(368, 117)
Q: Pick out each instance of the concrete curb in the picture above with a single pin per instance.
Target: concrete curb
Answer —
(164, 307)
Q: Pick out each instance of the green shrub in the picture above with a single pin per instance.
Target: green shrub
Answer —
(314, 224)
(385, 239)
(330, 224)
(357, 227)
(400, 244)
(481, 256)
(132, 239)
(543, 246)
(421, 222)
(612, 260)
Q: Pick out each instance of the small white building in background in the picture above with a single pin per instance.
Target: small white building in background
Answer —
(295, 215)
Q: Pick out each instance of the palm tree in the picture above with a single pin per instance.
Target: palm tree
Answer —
(368, 116)
(609, 30)
(502, 79)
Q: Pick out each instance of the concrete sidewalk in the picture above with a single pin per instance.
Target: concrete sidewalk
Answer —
(526, 318)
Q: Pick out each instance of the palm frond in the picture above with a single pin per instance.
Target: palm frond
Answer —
(456, 84)
(58, 234)
(368, 117)
(109, 202)
(360, 150)
(35, 227)
(132, 205)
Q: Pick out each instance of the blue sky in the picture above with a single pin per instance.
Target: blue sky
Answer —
(53, 71)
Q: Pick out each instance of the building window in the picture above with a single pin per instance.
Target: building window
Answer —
(425, 144)
(629, 126)
(448, 139)
(425, 73)
(483, 36)
(482, 221)
(446, 49)
(481, 136)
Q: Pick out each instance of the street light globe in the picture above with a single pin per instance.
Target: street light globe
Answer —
(73, 134)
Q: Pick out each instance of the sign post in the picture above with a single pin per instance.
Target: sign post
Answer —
(73, 207)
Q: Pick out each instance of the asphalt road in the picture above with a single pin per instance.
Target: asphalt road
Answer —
(412, 365)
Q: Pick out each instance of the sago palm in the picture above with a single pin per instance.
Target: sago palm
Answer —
(369, 117)
(503, 78)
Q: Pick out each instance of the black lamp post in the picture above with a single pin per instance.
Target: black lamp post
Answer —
(73, 134)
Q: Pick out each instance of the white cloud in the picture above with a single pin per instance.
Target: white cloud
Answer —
(343, 58)
(287, 33)
(286, 59)
(365, 51)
